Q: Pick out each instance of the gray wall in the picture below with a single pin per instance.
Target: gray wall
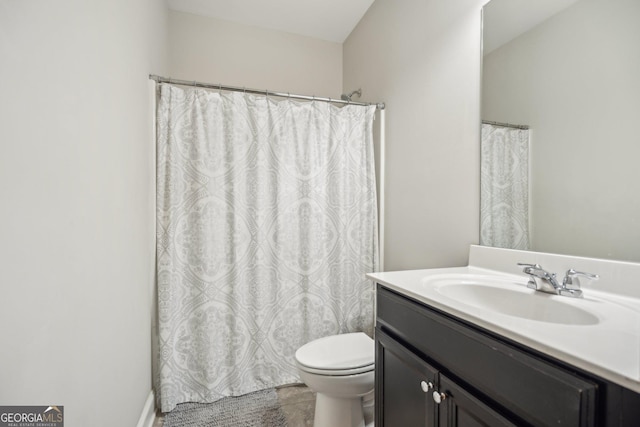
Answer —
(423, 59)
(76, 186)
(77, 169)
(217, 51)
(574, 80)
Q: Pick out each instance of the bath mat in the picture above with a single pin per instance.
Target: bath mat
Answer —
(258, 409)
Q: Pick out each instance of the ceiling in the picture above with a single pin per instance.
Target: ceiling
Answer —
(504, 20)
(331, 20)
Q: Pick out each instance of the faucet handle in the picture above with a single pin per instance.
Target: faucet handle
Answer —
(571, 283)
(531, 269)
(571, 275)
(524, 264)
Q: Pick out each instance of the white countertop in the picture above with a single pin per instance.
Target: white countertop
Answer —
(609, 348)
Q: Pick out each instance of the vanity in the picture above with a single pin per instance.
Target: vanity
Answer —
(473, 346)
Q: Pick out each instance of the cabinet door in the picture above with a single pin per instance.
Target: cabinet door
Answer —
(404, 386)
(458, 408)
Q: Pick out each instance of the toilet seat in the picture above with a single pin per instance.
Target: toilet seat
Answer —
(337, 372)
(338, 355)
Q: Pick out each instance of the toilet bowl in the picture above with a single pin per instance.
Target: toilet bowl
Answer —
(340, 369)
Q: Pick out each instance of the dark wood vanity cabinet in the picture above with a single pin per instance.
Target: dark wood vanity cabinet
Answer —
(479, 379)
(405, 395)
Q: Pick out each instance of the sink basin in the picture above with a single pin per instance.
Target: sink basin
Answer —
(506, 296)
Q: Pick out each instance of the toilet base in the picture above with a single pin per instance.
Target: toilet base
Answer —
(338, 412)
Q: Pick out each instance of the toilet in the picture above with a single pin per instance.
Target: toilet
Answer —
(340, 369)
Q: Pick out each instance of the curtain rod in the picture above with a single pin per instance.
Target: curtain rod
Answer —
(505, 125)
(159, 79)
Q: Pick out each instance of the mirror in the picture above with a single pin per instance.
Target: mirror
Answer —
(570, 71)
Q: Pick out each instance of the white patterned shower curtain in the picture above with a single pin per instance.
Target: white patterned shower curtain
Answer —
(504, 187)
(266, 225)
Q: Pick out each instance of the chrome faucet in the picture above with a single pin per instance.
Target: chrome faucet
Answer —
(542, 280)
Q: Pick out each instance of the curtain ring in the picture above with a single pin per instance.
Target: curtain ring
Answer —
(220, 88)
(289, 95)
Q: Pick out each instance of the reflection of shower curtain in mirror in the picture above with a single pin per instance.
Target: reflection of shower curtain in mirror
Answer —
(266, 225)
(504, 187)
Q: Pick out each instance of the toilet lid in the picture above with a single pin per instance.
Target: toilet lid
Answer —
(338, 352)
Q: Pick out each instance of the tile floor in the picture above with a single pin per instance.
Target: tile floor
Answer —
(298, 403)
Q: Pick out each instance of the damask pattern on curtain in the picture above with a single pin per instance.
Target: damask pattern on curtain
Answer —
(504, 187)
(266, 225)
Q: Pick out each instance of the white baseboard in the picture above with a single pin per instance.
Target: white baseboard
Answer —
(148, 415)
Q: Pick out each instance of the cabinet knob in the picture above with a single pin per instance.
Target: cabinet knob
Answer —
(426, 386)
(439, 397)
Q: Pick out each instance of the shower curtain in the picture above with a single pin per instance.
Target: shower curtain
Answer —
(504, 187)
(266, 225)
